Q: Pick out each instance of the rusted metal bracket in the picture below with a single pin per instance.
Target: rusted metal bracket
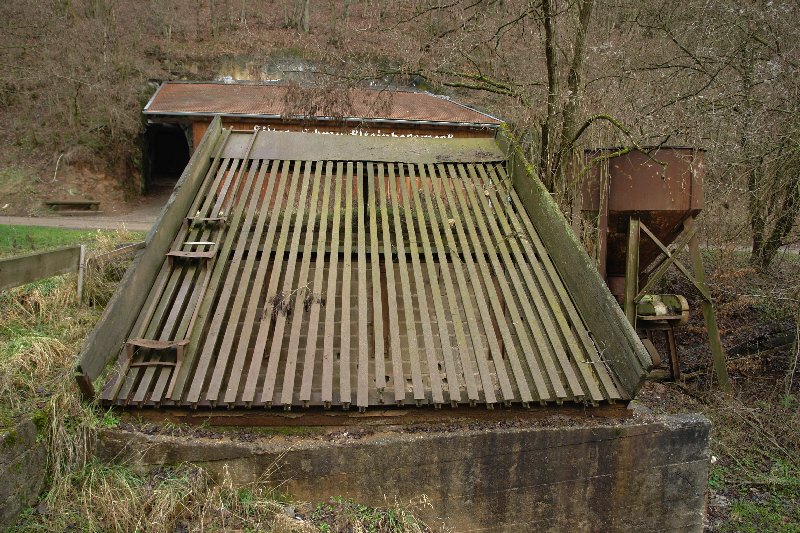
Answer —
(174, 255)
(178, 345)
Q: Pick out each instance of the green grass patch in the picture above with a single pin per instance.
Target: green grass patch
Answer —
(19, 240)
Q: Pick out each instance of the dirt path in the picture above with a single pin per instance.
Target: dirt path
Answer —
(128, 222)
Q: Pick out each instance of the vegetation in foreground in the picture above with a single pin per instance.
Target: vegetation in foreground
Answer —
(42, 328)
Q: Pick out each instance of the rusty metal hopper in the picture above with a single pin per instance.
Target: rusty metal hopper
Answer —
(661, 188)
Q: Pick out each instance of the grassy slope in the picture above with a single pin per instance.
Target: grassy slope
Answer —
(41, 330)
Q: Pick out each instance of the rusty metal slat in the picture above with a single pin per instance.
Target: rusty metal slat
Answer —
(258, 277)
(288, 293)
(408, 303)
(362, 394)
(319, 269)
(541, 317)
(469, 311)
(289, 375)
(471, 236)
(379, 350)
(441, 318)
(259, 350)
(398, 375)
(495, 238)
(330, 300)
(419, 283)
(234, 280)
(464, 349)
(553, 286)
(344, 335)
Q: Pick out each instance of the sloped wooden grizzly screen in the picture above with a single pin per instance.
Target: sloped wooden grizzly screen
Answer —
(320, 283)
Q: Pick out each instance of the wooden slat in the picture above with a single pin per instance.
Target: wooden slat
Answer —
(495, 239)
(449, 220)
(398, 375)
(344, 332)
(330, 300)
(408, 303)
(319, 270)
(257, 275)
(465, 350)
(471, 236)
(277, 261)
(459, 220)
(289, 291)
(236, 283)
(435, 378)
(362, 394)
(290, 369)
(281, 173)
(558, 298)
(379, 350)
(453, 384)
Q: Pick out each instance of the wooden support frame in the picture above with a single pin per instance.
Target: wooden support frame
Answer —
(696, 277)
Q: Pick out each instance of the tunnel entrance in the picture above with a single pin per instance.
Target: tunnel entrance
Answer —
(168, 155)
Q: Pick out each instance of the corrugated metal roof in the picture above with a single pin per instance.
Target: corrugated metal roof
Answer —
(338, 282)
(249, 99)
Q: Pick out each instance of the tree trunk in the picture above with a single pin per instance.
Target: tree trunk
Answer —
(213, 5)
(306, 17)
(551, 59)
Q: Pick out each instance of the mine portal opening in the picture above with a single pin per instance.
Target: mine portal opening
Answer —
(169, 153)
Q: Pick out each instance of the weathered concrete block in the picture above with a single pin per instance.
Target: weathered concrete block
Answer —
(23, 463)
(641, 475)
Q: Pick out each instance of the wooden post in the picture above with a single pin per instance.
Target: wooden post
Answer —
(81, 272)
(717, 354)
(632, 271)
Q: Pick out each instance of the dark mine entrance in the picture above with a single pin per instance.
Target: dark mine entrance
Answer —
(168, 155)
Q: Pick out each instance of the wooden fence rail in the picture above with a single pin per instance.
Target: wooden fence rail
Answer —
(16, 271)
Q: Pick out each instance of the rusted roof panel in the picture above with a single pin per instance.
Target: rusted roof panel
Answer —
(249, 99)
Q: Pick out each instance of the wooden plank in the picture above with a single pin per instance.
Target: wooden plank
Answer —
(398, 375)
(408, 303)
(106, 339)
(309, 146)
(194, 280)
(486, 211)
(289, 374)
(435, 378)
(600, 312)
(289, 292)
(362, 394)
(256, 274)
(558, 299)
(319, 268)
(22, 269)
(471, 236)
(536, 316)
(235, 283)
(379, 350)
(465, 350)
(202, 203)
(425, 216)
(330, 300)
(347, 269)
(453, 219)
(153, 315)
(280, 171)
(271, 302)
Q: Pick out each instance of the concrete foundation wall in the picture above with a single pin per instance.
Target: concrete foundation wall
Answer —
(645, 475)
(23, 461)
